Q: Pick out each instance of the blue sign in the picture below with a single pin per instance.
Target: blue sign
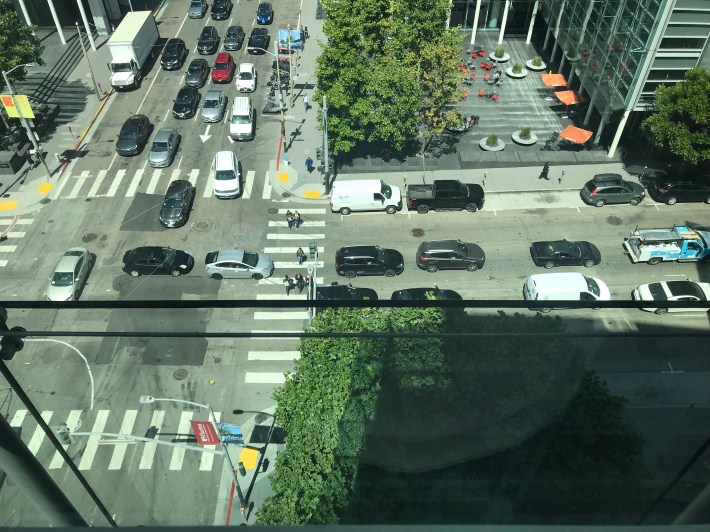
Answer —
(231, 433)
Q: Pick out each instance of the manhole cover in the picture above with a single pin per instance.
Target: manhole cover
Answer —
(124, 282)
(43, 201)
(89, 237)
(273, 210)
(180, 374)
(286, 195)
(417, 233)
(200, 227)
(613, 220)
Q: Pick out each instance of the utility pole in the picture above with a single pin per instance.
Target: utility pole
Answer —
(97, 88)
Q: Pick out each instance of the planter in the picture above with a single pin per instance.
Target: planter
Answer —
(524, 142)
(513, 75)
(530, 66)
(498, 147)
(492, 57)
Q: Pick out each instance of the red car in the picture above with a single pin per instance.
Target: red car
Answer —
(223, 68)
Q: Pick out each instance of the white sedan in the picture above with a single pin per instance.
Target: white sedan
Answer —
(246, 78)
(664, 291)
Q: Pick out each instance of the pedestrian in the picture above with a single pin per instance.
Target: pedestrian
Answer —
(300, 283)
(289, 219)
(309, 164)
(305, 103)
(288, 284)
(303, 34)
(545, 172)
(31, 157)
(305, 31)
(297, 221)
(300, 256)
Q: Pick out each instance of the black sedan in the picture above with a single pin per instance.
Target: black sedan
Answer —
(234, 38)
(186, 103)
(565, 253)
(174, 54)
(177, 203)
(155, 260)
(422, 294)
(197, 73)
(208, 42)
(258, 41)
(133, 136)
(221, 9)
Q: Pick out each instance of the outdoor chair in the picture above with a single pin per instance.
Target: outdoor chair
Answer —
(481, 53)
(481, 93)
(494, 96)
(486, 77)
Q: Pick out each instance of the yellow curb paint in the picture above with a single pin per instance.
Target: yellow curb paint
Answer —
(7, 205)
(44, 188)
(283, 177)
(248, 457)
(313, 194)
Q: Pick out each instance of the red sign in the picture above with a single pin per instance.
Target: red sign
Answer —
(205, 432)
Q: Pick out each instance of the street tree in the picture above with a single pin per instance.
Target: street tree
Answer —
(681, 121)
(18, 43)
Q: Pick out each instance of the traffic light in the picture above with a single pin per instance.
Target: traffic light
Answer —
(313, 248)
(9, 345)
(63, 434)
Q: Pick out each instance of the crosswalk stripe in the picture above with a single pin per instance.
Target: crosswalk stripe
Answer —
(294, 236)
(304, 211)
(39, 435)
(119, 450)
(149, 450)
(16, 234)
(207, 193)
(63, 180)
(18, 418)
(3, 263)
(183, 429)
(134, 183)
(284, 223)
(207, 458)
(266, 192)
(115, 183)
(274, 355)
(286, 315)
(281, 296)
(154, 181)
(193, 176)
(288, 250)
(274, 281)
(92, 443)
(251, 377)
(248, 184)
(7, 249)
(23, 221)
(294, 264)
(97, 183)
(72, 421)
(173, 177)
(79, 184)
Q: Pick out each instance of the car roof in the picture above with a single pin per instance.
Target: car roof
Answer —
(224, 160)
(177, 186)
(246, 67)
(70, 258)
(164, 134)
(439, 244)
(229, 254)
(258, 31)
(198, 61)
(235, 29)
(145, 252)
(607, 178)
(358, 251)
(222, 57)
(213, 95)
(174, 41)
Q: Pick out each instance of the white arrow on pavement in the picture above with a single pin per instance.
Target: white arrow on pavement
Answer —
(206, 136)
(231, 140)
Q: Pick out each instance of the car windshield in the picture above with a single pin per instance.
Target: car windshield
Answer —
(183, 97)
(129, 132)
(159, 146)
(245, 75)
(233, 34)
(196, 3)
(212, 103)
(63, 279)
(195, 68)
(121, 67)
(685, 288)
(592, 286)
(563, 246)
(463, 248)
(657, 292)
(172, 202)
(263, 9)
(240, 119)
(224, 175)
(250, 259)
(171, 51)
(221, 66)
(386, 191)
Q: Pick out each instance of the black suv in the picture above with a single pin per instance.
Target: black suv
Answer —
(221, 9)
(344, 292)
(157, 261)
(450, 255)
(209, 41)
(174, 54)
(672, 191)
(368, 260)
(611, 188)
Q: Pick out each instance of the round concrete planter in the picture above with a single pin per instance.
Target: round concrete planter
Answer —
(492, 57)
(529, 65)
(524, 142)
(511, 74)
(498, 147)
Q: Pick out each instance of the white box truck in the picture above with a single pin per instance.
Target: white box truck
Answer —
(131, 45)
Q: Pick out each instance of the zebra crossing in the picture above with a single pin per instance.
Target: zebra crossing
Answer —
(11, 231)
(123, 183)
(114, 453)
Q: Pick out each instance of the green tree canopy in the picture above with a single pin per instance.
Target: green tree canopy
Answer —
(18, 44)
(681, 123)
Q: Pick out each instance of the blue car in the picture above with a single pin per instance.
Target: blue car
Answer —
(264, 13)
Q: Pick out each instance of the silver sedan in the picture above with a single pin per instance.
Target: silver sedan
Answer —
(214, 106)
(164, 148)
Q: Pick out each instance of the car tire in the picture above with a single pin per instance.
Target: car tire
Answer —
(350, 274)
(176, 273)
(660, 311)
(635, 201)
(599, 203)
(707, 200)
(671, 201)
(432, 268)
(654, 260)
(544, 310)
(588, 263)
(705, 259)
(345, 211)
(390, 273)
(257, 276)
(549, 265)
(134, 273)
(423, 209)
(472, 267)
(471, 207)
(391, 209)
(217, 276)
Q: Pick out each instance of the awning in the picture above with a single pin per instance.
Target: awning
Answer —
(554, 80)
(575, 134)
(569, 97)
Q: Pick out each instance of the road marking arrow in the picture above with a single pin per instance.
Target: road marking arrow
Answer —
(206, 136)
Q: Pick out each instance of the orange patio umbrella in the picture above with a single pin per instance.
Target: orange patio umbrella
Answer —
(569, 98)
(554, 80)
(575, 134)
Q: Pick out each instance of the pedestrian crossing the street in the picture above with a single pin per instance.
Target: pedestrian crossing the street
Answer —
(12, 230)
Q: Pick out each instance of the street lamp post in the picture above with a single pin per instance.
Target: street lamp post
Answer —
(147, 399)
(25, 122)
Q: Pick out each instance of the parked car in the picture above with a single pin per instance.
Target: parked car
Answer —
(177, 203)
(223, 68)
(164, 148)
(663, 291)
(258, 41)
(246, 80)
(264, 13)
(69, 275)
(208, 42)
(564, 286)
(221, 9)
(611, 188)
(213, 107)
(551, 253)
(197, 9)
(422, 294)
(368, 260)
(437, 255)
(234, 38)
(341, 292)
(197, 73)
(186, 103)
(133, 136)
(225, 175)
(680, 190)
(238, 264)
(157, 260)
(174, 54)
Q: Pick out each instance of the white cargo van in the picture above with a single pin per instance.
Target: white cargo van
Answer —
(365, 195)
(241, 124)
(570, 286)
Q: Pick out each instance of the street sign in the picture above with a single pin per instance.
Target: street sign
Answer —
(205, 432)
(12, 111)
(231, 433)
